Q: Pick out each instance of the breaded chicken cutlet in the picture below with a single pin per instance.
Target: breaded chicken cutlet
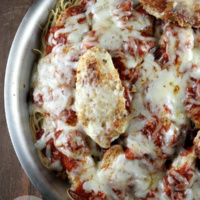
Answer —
(185, 12)
(100, 98)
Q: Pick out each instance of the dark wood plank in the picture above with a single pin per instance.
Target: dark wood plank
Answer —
(13, 180)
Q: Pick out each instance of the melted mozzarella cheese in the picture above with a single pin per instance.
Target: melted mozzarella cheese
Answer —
(56, 166)
(177, 184)
(100, 12)
(74, 29)
(49, 126)
(141, 145)
(54, 90)
(167, 89)
(71, 139)
(122, 173)
(195, 192)
(111, 30)
(163, 88)
(111, 38)
(179, 43)
(157, 88)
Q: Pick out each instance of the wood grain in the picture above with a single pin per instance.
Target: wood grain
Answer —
(13, 180)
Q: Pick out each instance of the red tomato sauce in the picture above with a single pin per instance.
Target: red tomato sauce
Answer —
(67, 163)
(192, 95)
(61, 39)
(81, 194)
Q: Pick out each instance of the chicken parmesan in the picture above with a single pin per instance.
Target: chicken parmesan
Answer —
(115, 102)
(185, 12)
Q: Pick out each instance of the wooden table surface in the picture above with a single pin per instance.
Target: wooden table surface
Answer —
(13, 180)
